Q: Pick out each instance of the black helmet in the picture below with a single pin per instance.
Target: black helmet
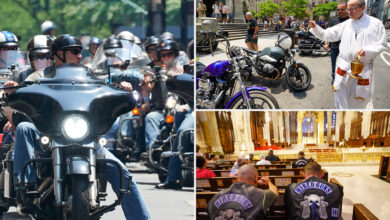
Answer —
(39, 44)
(167, 35)
(63, 42)
(112, 43)
(152, 40)
(167, 44)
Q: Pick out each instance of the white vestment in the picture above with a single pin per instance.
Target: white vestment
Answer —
(366, 33)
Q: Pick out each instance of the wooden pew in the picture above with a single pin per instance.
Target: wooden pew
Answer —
(266, 172)
(360, 212)
(384, 167)
(219, 183)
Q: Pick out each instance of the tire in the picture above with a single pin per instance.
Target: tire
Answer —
(306, 53)
(162, 175)
(303, 75)
(267, 101)
(80, 194)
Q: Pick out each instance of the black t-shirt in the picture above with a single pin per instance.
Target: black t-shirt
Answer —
(251, 27)
(333, 22)
(301, 162)
(272, 158)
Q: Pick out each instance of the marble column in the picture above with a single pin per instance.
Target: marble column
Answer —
(329, 120)
(242, 132)
(266, 131)
(275, 122)
(366, 124)
(281, 127)
(208, 121)
(348, 119)
(339, 121)
(287, 126)
(299, 126)
(320, 124)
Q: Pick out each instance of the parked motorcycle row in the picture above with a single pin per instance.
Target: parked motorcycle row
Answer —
(227, 84)
(74, 111)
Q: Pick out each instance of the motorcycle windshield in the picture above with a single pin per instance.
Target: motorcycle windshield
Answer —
(70, 90)
(8, 58)
(129, 51)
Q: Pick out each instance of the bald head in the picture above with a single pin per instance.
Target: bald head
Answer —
(247, 174)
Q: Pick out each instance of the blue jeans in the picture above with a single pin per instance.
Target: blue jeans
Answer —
(334, 52)
(183, 120)
(152, 127)
(133, 205)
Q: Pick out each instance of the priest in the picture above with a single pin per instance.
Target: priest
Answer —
(361, 36)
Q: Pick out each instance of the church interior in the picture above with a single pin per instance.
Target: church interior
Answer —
(352, 147)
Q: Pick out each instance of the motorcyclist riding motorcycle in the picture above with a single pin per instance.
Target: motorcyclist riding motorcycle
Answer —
(93, 45)
(126, 35)
(66, 49)
(150, 46)
(10, 56)
(38, 52)
(48, 28)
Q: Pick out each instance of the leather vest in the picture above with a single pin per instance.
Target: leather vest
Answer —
(313, 198)
(241, 201)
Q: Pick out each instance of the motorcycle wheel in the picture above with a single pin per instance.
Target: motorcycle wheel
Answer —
(260, 100)
(80, 194)
(299, 78)
(162, 175)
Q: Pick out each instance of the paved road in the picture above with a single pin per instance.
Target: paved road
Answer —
(163, 204)
(318, 95)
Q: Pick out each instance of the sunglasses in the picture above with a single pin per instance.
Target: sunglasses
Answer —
(74, 51)
(40, 57)
(151, 49)
(163, 55)
(8, 48)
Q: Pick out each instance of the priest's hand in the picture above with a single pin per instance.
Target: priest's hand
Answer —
(312, 24)
(361, 53)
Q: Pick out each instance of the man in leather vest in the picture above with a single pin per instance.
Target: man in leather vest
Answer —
(243, 200)
(313, 198)
(301, 162)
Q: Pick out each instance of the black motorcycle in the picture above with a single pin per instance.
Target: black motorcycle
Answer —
(308, 43)
(72, 111)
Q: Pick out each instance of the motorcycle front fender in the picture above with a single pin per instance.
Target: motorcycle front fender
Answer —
(247, 92)
(77, 165)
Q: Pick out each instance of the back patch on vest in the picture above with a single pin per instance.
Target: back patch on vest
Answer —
(312, 185)
(242, 200)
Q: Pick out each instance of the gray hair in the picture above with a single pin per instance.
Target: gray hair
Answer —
(360, 3)
(249, 14)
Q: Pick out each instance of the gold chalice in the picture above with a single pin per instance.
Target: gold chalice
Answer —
(356, 68)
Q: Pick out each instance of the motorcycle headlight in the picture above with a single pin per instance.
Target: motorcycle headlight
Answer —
(75, 127)
(171, 102)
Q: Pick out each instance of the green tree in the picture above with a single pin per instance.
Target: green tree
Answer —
(296, 8)
(267, 8)
(324, 9)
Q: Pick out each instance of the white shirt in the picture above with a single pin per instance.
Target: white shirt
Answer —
(263, 162)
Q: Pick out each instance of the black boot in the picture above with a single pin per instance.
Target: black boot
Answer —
(169, 185)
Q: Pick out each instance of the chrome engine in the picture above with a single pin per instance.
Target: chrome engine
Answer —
(207, 93)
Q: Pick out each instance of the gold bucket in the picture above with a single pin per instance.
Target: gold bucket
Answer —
(356, 68)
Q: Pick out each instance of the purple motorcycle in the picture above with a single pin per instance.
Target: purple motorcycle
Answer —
(217, 85)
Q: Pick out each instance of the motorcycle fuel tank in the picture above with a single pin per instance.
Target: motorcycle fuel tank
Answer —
(274, 52)
(216, 69)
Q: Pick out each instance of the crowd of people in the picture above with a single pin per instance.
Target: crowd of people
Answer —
(46, 52)
(251, 195)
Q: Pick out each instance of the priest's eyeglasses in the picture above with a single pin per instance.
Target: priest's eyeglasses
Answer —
(353, 8)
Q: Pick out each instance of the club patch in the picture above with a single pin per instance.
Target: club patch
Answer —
(312, 185)
(242, 200)
(335, 212)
